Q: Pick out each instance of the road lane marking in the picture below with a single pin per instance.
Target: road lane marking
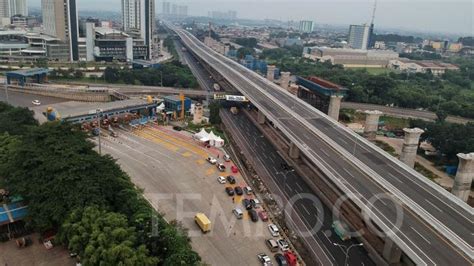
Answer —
(299, 187)
(434, 206)
(305, 209)
(420, 235)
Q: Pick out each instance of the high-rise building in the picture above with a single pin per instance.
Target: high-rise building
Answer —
(60, 20)
(131, 15)
(306, 26)
(174, 9)
(359, 36)
(10, 8)
(148, 24)
(182, 11)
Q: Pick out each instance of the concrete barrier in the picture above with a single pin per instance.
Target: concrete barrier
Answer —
(70, 94)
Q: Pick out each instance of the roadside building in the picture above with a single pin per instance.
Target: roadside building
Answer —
(306, 26)
(412, 66)
(350, 57)
(359, 36)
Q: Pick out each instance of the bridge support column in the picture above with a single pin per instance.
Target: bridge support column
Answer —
(410, 145)
(334, 106)
(271, 72)
(464, 176)
(391, 252)
(371, 124)
(294, 151)
(261, 118)
(285, 80)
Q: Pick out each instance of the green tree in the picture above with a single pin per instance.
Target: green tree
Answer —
(15, 120)
(105, 238)
(214, 109)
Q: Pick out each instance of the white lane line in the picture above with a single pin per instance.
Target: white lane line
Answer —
(342, 140)
(420, 235)
(299, 187)
(349, 173)
(394, 177)
(325, 153)
(434, 206)
(288, 186)
(305, 209)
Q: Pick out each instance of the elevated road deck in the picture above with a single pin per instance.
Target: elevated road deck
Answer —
(431, 226)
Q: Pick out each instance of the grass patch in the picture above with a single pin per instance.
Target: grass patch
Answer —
(422, 170)
(386, 147)
(394, 123)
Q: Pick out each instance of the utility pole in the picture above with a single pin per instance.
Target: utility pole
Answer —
(98, 111)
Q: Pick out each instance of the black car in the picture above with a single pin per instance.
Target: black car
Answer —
(230, 191)
(238, 191)
(231, 179)
(253, 215)
(247, 204)
(281, 260)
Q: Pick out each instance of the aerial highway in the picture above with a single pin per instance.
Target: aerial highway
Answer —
(435, 227)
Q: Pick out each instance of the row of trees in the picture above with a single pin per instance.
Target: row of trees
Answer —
(86, 197)
(173, 74)
(449, 139)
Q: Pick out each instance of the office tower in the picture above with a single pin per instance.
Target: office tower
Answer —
(182, 11)
(359, 36)
(166, 8)
(306, 26)
(9, 8)
(60, 21)
(174, 9)
(148, 24)
(131, 15)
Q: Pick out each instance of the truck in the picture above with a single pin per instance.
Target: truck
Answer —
(342, 230)
(203, 222)
(216, 87)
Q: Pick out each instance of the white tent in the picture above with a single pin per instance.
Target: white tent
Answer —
(160, 108)
(218, 142)
(202, 136)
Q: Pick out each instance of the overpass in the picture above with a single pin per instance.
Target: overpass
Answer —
(432, 227)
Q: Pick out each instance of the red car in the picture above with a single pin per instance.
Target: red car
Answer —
(291, 258)
(234, 169)
(263, 216)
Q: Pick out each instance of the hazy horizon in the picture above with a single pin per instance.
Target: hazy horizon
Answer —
(450, 17)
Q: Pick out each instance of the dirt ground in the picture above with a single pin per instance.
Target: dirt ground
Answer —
(36, 254)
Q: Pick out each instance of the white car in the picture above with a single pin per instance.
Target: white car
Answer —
(273, 230)
(226, 158)
(211, 160)
(264, 259)
(248, 190)
(221, 180)
(36, 102)
(283, 245)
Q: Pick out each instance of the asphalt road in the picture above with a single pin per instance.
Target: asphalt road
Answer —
(25, 99)
(415, 237)
(404, 112)
(291, 186)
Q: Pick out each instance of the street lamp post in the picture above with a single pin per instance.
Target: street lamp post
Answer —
(98, 111)
(347, 249)
(6, 90)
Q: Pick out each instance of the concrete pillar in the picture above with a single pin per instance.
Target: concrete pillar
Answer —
(391, 252)
(463, 179)
(334, 106)
(410, 145)
(261, 118)
(294, 151)
(371, 124)
(285, 80)
(271, 72)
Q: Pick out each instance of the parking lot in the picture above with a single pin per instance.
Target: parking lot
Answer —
(177, 179)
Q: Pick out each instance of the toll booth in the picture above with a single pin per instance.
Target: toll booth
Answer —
(35, 75)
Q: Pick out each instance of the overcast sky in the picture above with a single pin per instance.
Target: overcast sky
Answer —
(455, 16)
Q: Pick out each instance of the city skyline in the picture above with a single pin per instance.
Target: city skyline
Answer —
(420, 15)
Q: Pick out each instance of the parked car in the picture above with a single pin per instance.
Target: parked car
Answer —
(247, 204)
(221, 167)
(283, 245)
(221, 180)
(272, 245)
(263, 216)
(255, 203)
(177, 128)
(248, 190)
(231, 179)
(36, 102)
(280, 259)
(253, 215)
(234, 169)
(229, 191)
(239, 191)
(291, 258)
(273, 230)
(264, 259)
(238, 213)
(226, 158)
(211, 160)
